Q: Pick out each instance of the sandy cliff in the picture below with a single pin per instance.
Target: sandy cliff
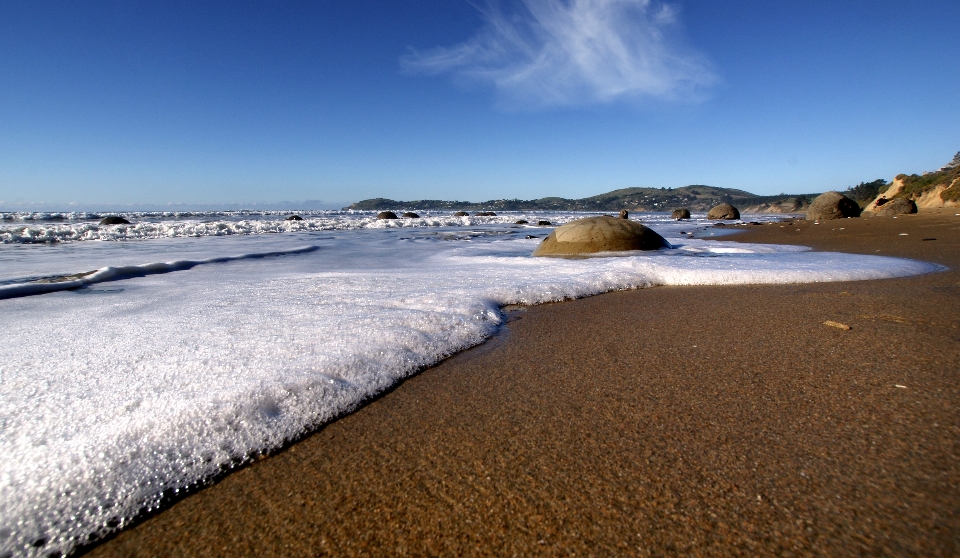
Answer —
(927, 193)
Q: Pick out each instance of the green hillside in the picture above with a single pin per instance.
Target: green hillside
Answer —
(694, 197)
(948, 175)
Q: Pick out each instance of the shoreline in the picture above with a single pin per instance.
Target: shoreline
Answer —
(593, 423)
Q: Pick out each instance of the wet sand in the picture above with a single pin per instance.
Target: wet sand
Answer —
(694, 420)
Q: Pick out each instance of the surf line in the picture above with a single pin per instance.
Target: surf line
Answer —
(117, 273)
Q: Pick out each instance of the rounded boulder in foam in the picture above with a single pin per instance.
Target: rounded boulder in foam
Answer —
(114, 220)
(724, 211)
(386, 215)
(896, 206)
(682, 213)
(599, 234)
(832, 205)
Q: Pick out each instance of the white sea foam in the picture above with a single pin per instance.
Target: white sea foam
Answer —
(73, 227)
(116, 391)
(117, 273)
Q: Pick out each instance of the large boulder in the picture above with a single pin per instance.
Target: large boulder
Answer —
(724, 211)
(678, 214)
(410, 215)
(896, 206)
(386, 215)
(114, 220)
(832, 205)
(599, 234)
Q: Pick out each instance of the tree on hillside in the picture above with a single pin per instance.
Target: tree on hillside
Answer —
(866, 191)
(952, 164)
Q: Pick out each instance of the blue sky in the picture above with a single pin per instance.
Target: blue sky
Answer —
(235, 102)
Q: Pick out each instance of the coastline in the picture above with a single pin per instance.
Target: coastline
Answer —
(722, 419)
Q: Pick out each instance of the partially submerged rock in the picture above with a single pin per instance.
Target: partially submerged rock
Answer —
(896, 206)
(624, 214)
(114, 220)
(485, 214)
(386, 215)
(682, 213)
(294, 218)
(461, 214)
(520, 222)
(410, 215)
(599, 234)
(724, 211)
(544, 223)
(832, 205)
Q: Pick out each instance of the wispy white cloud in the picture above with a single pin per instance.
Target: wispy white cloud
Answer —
(574, 52)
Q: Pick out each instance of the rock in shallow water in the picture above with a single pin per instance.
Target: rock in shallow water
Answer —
(724, 211)
(386, 215)
(410, 215)
(294, 218)
(683, 213)
(114, 220)
(461, 214)
(599, 234)
(832, 205)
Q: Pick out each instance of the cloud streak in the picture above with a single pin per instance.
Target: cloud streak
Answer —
(548, 53)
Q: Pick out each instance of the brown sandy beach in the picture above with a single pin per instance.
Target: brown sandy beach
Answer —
(671, 420)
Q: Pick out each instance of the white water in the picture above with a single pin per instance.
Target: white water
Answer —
(152, 378)
(32, 228)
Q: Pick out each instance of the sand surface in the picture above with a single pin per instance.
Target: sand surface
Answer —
(694, 420)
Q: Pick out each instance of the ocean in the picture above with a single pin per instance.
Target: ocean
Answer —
(141, 360)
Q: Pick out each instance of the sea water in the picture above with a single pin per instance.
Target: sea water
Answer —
(139, 360)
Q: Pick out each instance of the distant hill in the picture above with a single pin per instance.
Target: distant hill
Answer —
(694, 198)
